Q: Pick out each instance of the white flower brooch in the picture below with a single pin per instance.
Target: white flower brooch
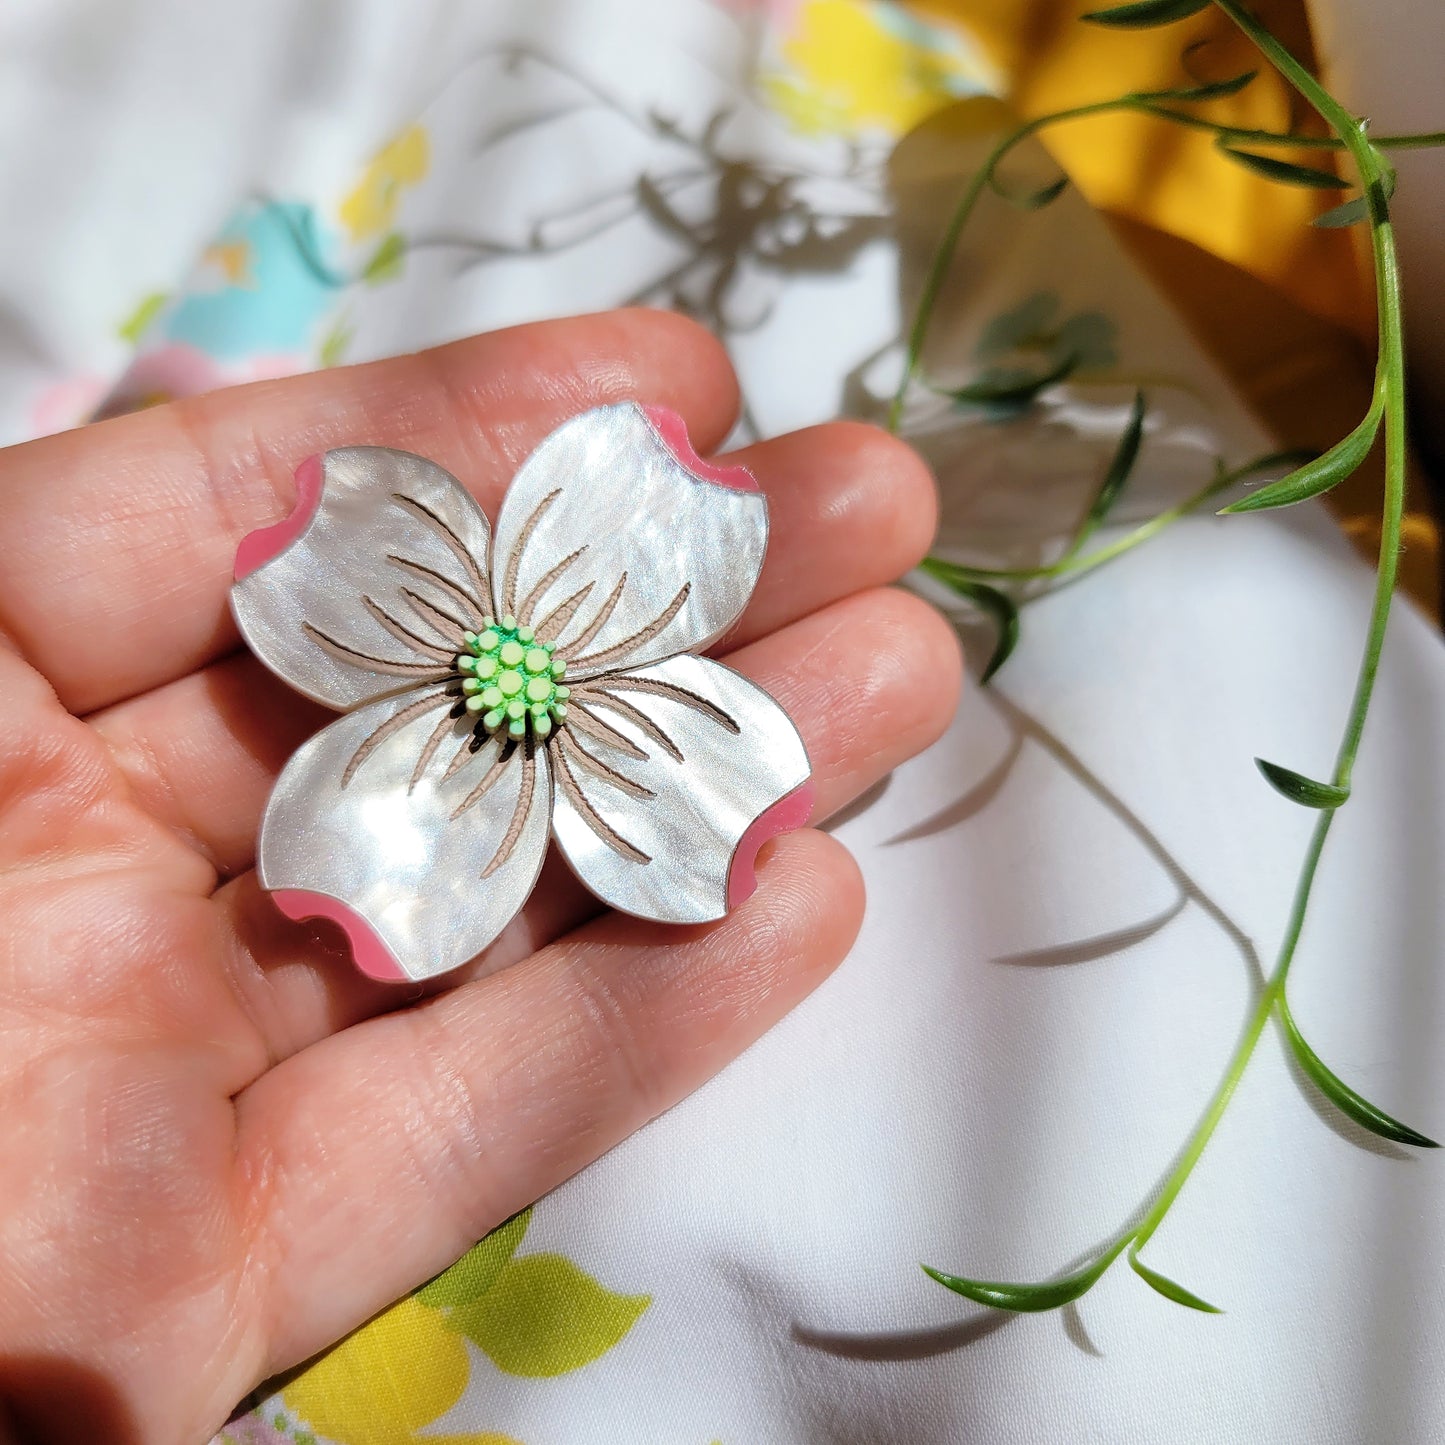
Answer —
(498, 690)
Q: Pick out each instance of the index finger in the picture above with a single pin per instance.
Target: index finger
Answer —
(120, 537)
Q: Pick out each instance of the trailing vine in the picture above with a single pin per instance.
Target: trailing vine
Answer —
(1311, 476)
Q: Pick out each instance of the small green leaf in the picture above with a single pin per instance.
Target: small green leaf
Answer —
(1030, 200)
(1013, 390)
(988, 599)
(1120, 469)
(136, 324)
(1344, 1098)
(1316, 477)
(477, 1270)
(544, 1316)
(1286, 172)
(385, 263)
(1144, 13)
(1044, 196)
(1358, 209)
(1162, 1284)
(1300, 789)
(1205, 90)
(1028, 1298)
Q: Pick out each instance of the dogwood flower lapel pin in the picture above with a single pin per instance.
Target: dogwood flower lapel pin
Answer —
(498, 690)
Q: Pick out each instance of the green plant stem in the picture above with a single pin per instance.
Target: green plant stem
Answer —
(1144, 532)
(1392, 379)
(1230, 134)
(1421, 141)
(1139, 104)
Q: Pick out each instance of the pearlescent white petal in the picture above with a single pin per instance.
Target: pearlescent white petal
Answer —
(659, 775)
(366, 815)
(620, 550)
(372, 590)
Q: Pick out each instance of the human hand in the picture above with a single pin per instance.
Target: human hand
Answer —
(223, 1147)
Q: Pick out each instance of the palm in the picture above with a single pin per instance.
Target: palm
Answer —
(224, 1148)
(136, 1044)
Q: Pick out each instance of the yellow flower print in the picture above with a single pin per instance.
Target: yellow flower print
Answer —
(857, 65)
(371, 208)
(533, 1315)
(381, 1385)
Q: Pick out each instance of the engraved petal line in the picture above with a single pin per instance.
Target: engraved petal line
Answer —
(600, 731)
(471, 745)
(429, 749)
(567, 781)
(641, 637)
(594, 765)
(523, 806)
(448, 627)
(458, 548)
(477, 609)
(488, 780)
(552, 625)
(609, 606)
(422, 671)
(630, 682)
(524, 608)
(405, 635)
(394, 723)
(633, 715)
(508, 599)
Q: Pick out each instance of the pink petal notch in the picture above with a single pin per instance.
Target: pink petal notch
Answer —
(369, 953)
(673, 431)
(785, 816)
(259, 547)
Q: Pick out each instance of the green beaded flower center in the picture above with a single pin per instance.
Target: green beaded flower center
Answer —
(512, 680)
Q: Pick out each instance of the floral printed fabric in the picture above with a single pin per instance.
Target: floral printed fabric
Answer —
(532, 1315)
(271, 293)
(996, 1077)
